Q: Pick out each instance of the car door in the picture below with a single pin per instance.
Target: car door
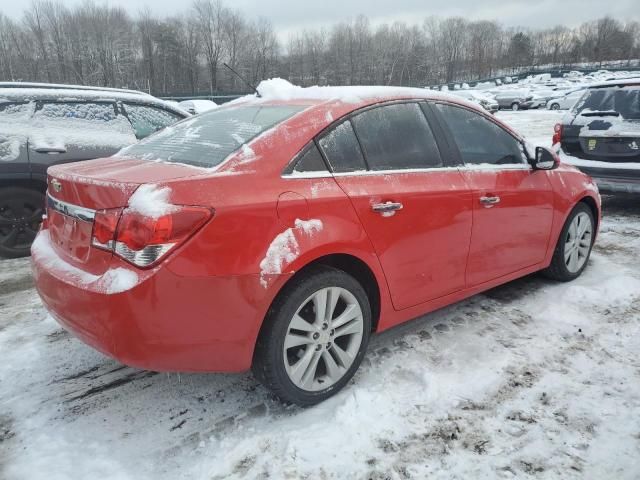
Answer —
(14, 129)
(512, 203)
(414, 207)
(68, 131)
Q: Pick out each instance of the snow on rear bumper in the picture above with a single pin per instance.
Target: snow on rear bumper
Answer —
(165, 322)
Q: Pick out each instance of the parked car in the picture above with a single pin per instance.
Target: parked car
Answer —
(43, 125)
(485, 100)
(197, 106)
(515, 99)
(601, 135)
(279, 232)
(566, 101)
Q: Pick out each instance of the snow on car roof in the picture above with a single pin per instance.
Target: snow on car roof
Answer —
(278, 89)
(618, 82)
(63, 86)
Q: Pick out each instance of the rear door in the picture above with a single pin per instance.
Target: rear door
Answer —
(512, 204)
(67, 131)
(415, 207)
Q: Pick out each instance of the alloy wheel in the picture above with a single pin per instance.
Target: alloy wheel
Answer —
(578, 242)
(19, 223)
(323, 339)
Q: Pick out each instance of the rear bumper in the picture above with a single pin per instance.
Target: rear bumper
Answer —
(610, 177)
(166, 322)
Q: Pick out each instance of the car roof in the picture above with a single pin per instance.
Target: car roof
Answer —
(19, 91)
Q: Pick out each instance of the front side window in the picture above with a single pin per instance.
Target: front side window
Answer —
(147, 119)
(207, 139)
(342, 150)
(397, 136)
(480, 141)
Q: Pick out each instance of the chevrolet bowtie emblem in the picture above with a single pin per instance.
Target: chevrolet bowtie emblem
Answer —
(57, 186)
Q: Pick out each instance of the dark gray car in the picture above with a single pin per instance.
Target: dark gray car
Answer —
(42, 125)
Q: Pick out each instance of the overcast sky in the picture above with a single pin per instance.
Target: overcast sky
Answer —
(292, 15)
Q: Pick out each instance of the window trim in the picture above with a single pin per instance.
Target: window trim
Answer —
(453, 145)
(290, 169)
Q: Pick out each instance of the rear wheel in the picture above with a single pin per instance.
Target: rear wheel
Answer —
(314, 336)
(574, 245)
(21, 213)
(515, 106)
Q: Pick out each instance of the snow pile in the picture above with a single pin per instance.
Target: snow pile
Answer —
(151, 201)
(284, 248)
(118, 280)
(280, 89)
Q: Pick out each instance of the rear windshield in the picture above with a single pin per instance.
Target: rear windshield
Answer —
(207, 139)
(625, 101)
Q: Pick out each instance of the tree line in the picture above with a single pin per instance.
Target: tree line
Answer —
(98, 44)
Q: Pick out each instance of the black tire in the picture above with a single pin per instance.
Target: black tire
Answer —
(555, 106)
(515, 106)
(21, 211)
(268, 361)
(558, 270)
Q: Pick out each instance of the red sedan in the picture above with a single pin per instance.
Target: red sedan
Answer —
(277, 233)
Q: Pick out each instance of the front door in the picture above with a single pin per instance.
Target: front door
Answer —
(512, 203)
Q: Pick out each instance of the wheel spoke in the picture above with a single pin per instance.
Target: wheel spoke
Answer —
(29, 234)
(350, 328)
(9, 240)
(299, 323)
(320, 303)
(333, 295)
(568, 251)
(310, 373)
(573, 261)
(351, 312)
(334, 371)
(298, 369)
(295, 340)
(344, 357)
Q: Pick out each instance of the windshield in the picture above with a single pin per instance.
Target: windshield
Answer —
(207, 139)
(625, 101)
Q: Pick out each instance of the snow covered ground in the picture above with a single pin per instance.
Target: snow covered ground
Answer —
(534, 379)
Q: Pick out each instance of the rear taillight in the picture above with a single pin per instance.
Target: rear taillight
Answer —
(557, 134)
(144, 240)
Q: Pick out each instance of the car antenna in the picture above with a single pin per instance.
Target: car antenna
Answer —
(243, 79)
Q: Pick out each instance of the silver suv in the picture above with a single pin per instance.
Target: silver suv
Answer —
(42, 125)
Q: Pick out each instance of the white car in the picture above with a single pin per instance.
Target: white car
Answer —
(197, 106)
(565, 102)
(485, 100)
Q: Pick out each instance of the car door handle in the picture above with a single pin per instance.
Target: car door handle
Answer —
(51, 150)
(386, 207)
(489, 201)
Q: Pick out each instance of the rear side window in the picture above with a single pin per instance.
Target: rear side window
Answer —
(342, 150)
(397, 137)
(625, 101)
(310, 161)
(207, 139)
(98, 113)
(147, 120)
(479, 140)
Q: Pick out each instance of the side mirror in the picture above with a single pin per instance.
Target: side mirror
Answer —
(545, 159)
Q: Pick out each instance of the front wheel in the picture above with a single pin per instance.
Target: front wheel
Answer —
(574, 245)
(515, 106)
(314, 336)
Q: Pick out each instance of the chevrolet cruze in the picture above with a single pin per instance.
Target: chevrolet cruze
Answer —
(277, 233)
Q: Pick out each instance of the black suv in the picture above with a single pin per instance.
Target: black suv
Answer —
(42, 125)
(601, 135)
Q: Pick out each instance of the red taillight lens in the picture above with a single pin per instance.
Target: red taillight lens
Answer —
(144, 240)
(557, 134)
(104, 228)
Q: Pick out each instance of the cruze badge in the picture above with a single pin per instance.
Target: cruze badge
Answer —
(57, 186)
